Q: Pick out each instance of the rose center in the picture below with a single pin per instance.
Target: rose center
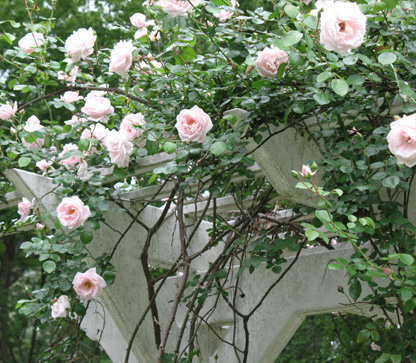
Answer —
(87, 284)
(190, 122)
(342, 26)
(71, 211)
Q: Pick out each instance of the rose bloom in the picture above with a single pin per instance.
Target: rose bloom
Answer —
(128, 124)
(224, 15)
(40, 227)
(69, 78)
(121, 57)
(269, 60)
(193, 124)
(74, 120)
(119, 147)
(70, 160)
(98, 132)
(139, 21)
(177, 7)
(306, 171)
(89, 284)
(72, 213)
(30, 41)
(59, 307)
(154, 35)
(98, 108)
(7, 111)
(402, 140)
(342, 27)
(44, 165)
(80, 44)
(33, 124)
(24, 208)
(71, 97)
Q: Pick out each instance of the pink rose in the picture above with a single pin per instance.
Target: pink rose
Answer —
(98, 108)
(24, 208)
(69, 78)
(97, 131)
(177, 7)
(70, 160)
(139, 21)
(119, 147)
(128, 124)
(72, 213)
(342, 27)
(306, 171)
(89, 284)
(224, 15)
(74, 120)
(375, 347)
(402, 140)
(154, 35)
(193, 124)
(80, 44)
(7, 111)
(269, 60)
(33, 124)
(59, 307)
(40, 227)
(121, 57)
(44, 165)
(71, 97)
(30, 41)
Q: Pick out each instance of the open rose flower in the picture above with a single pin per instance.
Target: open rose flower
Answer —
(177, 7)
(98, 108)
(269, 60)
(121, 57)
(33, 124)
(139, 21)
(193, 124)
(342, 27)
(97, 131)
(154, 35)
(71, 97)
(224, 15)
(402, 140)
(30, 41)
(72, 213)
(7, 111)
(119, 147)
(58, 309)
(44, 165)
(128, 124)
(24, 208)
(69, 160)
(71, 77)
(89, 284)
(80, 44)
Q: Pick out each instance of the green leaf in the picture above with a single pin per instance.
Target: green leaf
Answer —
(406, 259)
(49, 266)
(391, 182)
(312, 235)
(291, 38)
(83, 144)
(169, 147)
(355, 80)
(340, 87)
(86, 237)
(291, 11)
(383, 358)
(387, 58)
(321, 98)
(363, 336)
(335, 266)
(323, 216)
(409, 305)
(109, 278)
(396, 358)
(322, 77)
(355, 289)
(119, 173)
(152, 179)
(218, 148)
(24, 161)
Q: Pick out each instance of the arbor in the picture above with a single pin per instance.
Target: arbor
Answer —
(203, 126)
